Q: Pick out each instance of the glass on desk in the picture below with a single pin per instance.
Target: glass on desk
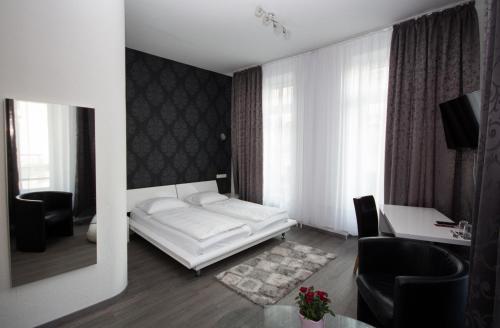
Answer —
(461, 226)
(467, 232)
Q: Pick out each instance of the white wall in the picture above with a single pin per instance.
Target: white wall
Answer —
(69, 52)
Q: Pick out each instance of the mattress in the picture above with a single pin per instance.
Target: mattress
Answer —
(183, 240)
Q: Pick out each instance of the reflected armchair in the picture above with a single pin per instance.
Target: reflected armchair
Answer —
(38, 214)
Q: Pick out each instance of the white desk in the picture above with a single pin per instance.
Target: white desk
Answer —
(418, 223)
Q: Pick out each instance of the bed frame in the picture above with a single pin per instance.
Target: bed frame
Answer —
(192, 261)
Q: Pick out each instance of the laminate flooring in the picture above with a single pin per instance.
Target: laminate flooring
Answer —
(163, 293)
(63, 254)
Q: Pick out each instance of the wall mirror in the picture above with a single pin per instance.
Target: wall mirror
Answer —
(51, 189)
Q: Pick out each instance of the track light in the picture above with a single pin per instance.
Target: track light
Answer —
(270, 18)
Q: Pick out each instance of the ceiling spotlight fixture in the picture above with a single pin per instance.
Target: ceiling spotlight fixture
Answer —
(270, 19)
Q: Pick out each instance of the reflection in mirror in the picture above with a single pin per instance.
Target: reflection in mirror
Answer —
(51, 188)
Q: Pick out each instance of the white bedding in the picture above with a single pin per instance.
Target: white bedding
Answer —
(195, 222)
(186, 242)
(257, 226)
(256, 216)
(244, 210)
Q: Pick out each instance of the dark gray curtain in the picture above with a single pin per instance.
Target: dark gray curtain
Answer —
(12, 168)
(246, 133)
(433, 59)
(483, 308)
(85, 194)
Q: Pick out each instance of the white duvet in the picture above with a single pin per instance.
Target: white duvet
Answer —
(244, 210)
(196, 223)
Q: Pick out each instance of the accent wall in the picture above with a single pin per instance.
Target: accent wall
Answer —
(176, 114)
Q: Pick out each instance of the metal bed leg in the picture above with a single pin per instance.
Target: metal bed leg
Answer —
(198, 273)
(283, 236)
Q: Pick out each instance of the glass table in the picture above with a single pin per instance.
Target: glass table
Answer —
(281, 316)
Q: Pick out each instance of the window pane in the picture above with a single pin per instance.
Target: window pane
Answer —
(32, 145)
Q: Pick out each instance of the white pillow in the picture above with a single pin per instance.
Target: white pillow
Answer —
(205, 197)
(154, 205)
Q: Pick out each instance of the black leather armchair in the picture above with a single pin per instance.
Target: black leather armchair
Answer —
(405, 283)
(39, 214)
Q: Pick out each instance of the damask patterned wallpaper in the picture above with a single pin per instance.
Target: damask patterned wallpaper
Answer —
(175, 115)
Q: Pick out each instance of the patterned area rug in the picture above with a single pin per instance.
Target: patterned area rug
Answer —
(270, 276)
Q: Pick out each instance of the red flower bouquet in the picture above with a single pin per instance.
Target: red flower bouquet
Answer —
(313, 305)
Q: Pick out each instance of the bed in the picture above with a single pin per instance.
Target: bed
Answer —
(191, 252)
(178, 236)
(256, 217)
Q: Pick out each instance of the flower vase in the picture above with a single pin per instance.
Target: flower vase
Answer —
(306, 323)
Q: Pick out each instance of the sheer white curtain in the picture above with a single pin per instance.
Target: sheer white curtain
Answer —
(46, 146)
(324, 129)
(62, 146)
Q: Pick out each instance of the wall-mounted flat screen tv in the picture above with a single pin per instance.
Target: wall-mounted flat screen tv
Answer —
(460, 121)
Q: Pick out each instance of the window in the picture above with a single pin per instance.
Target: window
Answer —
(46, 140)
(324, 130)
(32, 146)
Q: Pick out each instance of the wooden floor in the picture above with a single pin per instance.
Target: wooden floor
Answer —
(63, 254)
(163, 293)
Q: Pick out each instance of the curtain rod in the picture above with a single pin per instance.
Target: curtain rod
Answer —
(430, 12)
(366, 33)
(379, 29)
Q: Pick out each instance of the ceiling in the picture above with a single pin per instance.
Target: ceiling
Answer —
(225, 36)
